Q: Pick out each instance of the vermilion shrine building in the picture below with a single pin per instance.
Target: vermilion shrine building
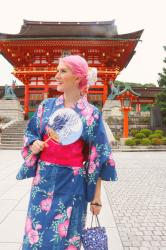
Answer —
(35, 50)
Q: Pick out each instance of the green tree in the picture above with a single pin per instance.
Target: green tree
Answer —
(148, 85)
(162, 79)
(161, 98)
(133, 84)
(161, 101)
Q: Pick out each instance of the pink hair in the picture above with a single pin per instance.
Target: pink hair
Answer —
(79, 67)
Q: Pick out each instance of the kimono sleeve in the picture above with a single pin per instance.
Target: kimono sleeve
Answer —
(32, 133)
(101, 153)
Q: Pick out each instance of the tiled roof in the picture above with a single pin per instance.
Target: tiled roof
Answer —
(79, 30)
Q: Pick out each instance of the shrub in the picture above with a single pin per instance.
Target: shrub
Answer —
(140, 135)
(146, 131)
(163, 140)
(134, 131)
(137, 141)
(156, 141)
(130, 142)
(155, 136)
(145, 141)
(158, 131)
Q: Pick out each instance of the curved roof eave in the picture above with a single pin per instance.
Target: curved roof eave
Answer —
(34, 30)
(4, 37)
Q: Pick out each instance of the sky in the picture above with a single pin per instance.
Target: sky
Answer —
(129, 16)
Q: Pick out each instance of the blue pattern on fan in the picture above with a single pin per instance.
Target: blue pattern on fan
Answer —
(66, 124)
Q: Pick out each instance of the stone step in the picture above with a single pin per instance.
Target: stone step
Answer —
(13, 136)
(19, 124)
(10, 136)
(16, 127)
(12, 143)
(6, 131)
(10, 147)
(11, 140)
(2, 147)
(12, 131)
(10, 109)
(19, 133)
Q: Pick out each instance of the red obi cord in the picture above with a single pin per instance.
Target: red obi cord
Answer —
(68, 155)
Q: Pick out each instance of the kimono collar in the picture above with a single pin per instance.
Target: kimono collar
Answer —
(82, 103)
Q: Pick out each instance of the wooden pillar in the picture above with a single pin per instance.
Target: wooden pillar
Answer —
(46, 90)
(125, 123)
(138, 107)
(26, 100)
(105, 92)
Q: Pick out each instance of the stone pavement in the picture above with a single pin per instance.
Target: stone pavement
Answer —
(134, 210)
(138, 200)
(14, 197)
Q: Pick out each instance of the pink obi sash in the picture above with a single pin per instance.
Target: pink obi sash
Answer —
(69, 155)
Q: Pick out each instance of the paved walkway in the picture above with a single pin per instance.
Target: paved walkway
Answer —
(14, 197)
(134, 211)
(138, 200)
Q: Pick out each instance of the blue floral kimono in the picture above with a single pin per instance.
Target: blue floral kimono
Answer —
(59, 195)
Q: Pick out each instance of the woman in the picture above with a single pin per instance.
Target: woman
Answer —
(66, 177)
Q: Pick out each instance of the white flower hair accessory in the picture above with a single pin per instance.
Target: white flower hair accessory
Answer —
(92, 75)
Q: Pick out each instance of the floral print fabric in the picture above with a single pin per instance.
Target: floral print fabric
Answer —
(57, 210)
(59, 195)
(101, 164)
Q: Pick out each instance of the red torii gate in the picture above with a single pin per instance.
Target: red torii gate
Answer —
(34, 53)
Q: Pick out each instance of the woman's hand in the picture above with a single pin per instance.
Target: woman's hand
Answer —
(37, 146)
(95, 206)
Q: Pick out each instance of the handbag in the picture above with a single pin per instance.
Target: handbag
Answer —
(94, 238)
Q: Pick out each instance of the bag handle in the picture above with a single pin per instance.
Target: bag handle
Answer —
(97, 220)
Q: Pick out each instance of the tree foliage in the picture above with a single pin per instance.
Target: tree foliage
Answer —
(161, 98)
(162, 76)
(161, 101)
(133, 84)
